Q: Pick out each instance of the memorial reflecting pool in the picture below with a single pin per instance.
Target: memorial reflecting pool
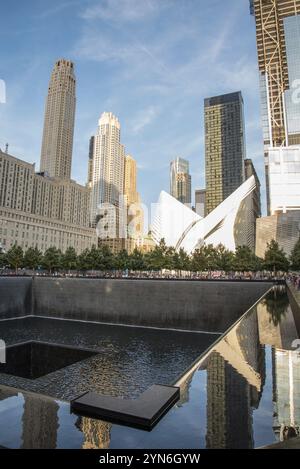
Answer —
(243, 393)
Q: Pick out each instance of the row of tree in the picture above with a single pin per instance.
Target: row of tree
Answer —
(206, 258)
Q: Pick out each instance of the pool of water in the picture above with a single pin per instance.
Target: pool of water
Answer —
(243, 393)
(128, 360)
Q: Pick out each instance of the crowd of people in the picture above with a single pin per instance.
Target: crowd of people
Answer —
(162, 274)
(295, 280)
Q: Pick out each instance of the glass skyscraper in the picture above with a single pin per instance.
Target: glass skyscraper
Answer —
(224, 147)
(180, 180)
(292, 96)
(278, 47)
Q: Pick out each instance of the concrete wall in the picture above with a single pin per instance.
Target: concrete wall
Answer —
(15, 297)
(294, 299)
(209, 306)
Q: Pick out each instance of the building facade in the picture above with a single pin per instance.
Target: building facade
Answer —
(90, 162)
(181, 227)
(107, 184)
(135, 213)
(57, 144)
(36, 210)
(283, 227)
(224, 147)
(180, 181)
(200, 202)
(249, 212)
(278, 43)
(284, 179)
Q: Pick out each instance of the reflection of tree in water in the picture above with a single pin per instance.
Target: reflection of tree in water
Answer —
(276, 303)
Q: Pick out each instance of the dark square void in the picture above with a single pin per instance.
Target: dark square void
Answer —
(32, 360)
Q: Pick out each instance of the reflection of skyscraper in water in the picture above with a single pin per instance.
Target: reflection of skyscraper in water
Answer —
(286, 389)
(40, 423)
(229, 420)
(96, 433)
(235, 377)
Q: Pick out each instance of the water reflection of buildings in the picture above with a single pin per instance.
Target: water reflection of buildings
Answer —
(286, 393)
(39, 419)
(277, 329)
(96, 433)
(235, 378)
(40, 422)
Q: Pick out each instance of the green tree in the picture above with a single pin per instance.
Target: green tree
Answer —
(107, 258)
(93, 259)
(224, 258)
(210, 253)
(69, 259)
(155, 259)
(275, 258)
(83, 260)
(122, 260)
(245, 259)
(136, 260)
(52, 259)
(169, 257)
(199, 260)
(32, 258)
(181, 260)
(15, 257)
(295, 256)
(3, 261)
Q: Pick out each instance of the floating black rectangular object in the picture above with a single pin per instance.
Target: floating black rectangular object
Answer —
(34, 359)
(143, 412)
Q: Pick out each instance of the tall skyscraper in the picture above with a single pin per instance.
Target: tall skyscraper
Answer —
(224, 147)
(57, 144)
(90, 163)
(135, 214)
(278, 45)
(130, 178)
(107, 185)
(180, 180)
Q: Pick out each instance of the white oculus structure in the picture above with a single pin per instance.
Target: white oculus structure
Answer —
(181, 227)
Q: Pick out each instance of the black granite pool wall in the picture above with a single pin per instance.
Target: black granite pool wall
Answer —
(294, 299)
(188, 305)
(15, 297)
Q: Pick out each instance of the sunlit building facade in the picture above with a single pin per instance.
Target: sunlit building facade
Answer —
(182, 227)
(39, 211)
(107, 183)
(57, 144)
(224, 147)
(284, 179)
(180, 180)
(278, 44)
(283, 227)
(135, 213)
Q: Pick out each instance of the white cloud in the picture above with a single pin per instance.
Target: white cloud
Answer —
(144, 118)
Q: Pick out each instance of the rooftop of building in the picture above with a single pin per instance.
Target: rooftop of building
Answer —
(223, 99)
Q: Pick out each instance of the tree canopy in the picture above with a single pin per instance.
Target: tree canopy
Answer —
(205, 258)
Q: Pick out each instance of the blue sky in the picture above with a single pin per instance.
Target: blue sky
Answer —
(150, 62)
